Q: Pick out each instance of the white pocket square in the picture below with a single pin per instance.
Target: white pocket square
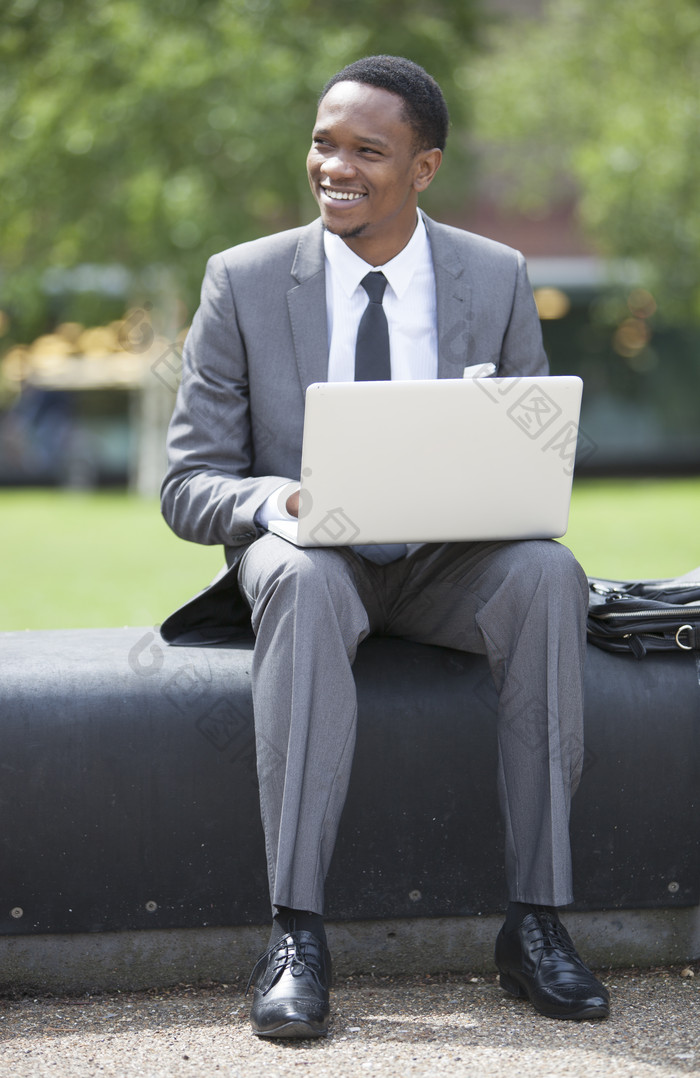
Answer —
(479, 370)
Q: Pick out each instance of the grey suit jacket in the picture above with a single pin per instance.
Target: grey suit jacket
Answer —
(259, 338)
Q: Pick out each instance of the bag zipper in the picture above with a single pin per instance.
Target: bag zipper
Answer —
(642, 615)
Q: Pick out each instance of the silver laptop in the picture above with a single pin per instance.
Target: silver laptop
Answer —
(442, 460)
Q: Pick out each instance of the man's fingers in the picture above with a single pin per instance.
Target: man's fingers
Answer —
(293, 504)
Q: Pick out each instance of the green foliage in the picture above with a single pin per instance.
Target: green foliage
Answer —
(155, 134)
(606, 93)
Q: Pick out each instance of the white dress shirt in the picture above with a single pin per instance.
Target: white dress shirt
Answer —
(411, 311)
(409, 304)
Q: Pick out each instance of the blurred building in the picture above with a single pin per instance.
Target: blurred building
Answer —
(89, 407)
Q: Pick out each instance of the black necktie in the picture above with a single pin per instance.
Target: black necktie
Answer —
(372, 361)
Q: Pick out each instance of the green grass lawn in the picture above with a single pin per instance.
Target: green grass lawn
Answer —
(108, 559)
(631, 529)
(90, 560)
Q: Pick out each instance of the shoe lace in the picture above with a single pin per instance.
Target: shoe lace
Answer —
(298, 955)
(548, 933)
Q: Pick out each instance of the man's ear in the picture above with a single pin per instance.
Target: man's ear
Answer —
(426, 165)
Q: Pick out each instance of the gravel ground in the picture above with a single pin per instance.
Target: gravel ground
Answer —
(403, 1027)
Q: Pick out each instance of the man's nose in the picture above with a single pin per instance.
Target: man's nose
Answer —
(337, 167)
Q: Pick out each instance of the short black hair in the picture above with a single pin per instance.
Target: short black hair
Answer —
(424, 105)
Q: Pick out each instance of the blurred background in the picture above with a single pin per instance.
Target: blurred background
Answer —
(139, 139)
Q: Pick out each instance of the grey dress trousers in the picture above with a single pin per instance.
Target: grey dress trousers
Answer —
(521, 604)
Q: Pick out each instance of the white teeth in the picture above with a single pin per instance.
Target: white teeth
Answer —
(348, 196)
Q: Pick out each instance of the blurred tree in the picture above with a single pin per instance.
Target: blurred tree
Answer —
(152, 135)
(607, 94)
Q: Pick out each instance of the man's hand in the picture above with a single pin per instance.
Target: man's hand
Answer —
(292, 504)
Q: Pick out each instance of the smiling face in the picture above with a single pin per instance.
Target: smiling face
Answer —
(365, 171)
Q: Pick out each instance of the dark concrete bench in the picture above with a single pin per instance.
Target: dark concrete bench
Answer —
(130, 796)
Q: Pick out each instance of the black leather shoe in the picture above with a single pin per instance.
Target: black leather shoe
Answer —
(291, 996)
(539, 960)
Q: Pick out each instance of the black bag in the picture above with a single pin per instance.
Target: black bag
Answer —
(649, 615)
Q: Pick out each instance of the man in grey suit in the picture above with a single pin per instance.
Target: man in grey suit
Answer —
(276, 315)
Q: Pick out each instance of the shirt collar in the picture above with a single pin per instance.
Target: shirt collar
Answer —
(349, 269)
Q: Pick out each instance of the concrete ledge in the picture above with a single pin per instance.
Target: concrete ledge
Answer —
(131, 836)
(130, 794)
(130, 961)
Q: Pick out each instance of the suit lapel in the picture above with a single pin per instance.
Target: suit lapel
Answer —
(454, 303)
(306, 301)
